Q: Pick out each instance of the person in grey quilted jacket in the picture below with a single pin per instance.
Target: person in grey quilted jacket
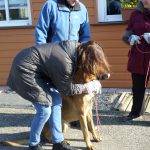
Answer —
(39, 70)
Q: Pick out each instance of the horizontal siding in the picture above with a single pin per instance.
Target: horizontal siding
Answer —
(118, 52)
(118, 68)
(12, 32)
(5, 68)
(16, 39)
(109, 37)
(117, 83)
(11, 42)
(9, 46)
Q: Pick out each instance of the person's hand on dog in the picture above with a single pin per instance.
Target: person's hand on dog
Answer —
(93, 87)
(134, 39)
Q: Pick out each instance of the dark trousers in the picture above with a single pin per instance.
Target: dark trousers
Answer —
(138, 89)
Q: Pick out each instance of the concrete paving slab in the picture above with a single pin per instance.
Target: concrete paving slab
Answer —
(13, 100)
(16, 115)
(117, 135)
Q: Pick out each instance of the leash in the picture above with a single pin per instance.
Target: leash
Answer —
(97, 115)
(148, 68)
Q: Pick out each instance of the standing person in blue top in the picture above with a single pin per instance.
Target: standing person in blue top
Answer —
(62, 20)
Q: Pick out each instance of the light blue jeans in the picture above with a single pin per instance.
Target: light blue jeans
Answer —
(52, 114)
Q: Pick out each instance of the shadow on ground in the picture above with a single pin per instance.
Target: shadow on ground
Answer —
(15, 120)
(116, 118)
(106, 118)
(24, 120)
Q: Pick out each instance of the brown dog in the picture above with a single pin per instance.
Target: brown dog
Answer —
(91, 65)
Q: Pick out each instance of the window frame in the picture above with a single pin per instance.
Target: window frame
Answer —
(13, 23)
(102, 13)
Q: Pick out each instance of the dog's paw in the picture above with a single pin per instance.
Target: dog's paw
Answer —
(97, 139)
(90, 147)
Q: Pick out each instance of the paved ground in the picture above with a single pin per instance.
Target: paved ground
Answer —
(16, 115)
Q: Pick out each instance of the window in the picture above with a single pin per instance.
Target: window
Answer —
(109, 10)
(15, 13)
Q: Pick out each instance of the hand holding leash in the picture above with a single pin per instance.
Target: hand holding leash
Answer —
(93, 87)
(134, 39)
(146, 37)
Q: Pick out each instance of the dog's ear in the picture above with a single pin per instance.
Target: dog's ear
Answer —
(104, 76)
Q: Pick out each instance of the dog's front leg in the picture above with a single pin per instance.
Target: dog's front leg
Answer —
(84, 127)
(64, 126)
(91, 127)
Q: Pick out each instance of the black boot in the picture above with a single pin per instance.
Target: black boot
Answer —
(62, 146)
(36, 147)
(130, 117)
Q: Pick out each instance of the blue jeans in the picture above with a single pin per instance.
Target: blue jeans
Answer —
(52, 114)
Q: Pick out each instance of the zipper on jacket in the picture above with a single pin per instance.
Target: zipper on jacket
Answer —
(69, 26)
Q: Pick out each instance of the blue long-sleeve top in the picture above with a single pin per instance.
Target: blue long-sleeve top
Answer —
(57, 22)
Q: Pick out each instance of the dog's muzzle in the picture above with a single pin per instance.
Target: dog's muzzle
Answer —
(104, 76)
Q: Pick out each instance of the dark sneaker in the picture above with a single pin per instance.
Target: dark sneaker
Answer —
(62, 146)
(75, 124)
(36, 147)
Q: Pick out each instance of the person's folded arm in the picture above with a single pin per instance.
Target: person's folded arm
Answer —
(86, 88)
(64, 84)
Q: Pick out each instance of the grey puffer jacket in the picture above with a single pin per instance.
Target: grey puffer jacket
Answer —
(36, 68)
